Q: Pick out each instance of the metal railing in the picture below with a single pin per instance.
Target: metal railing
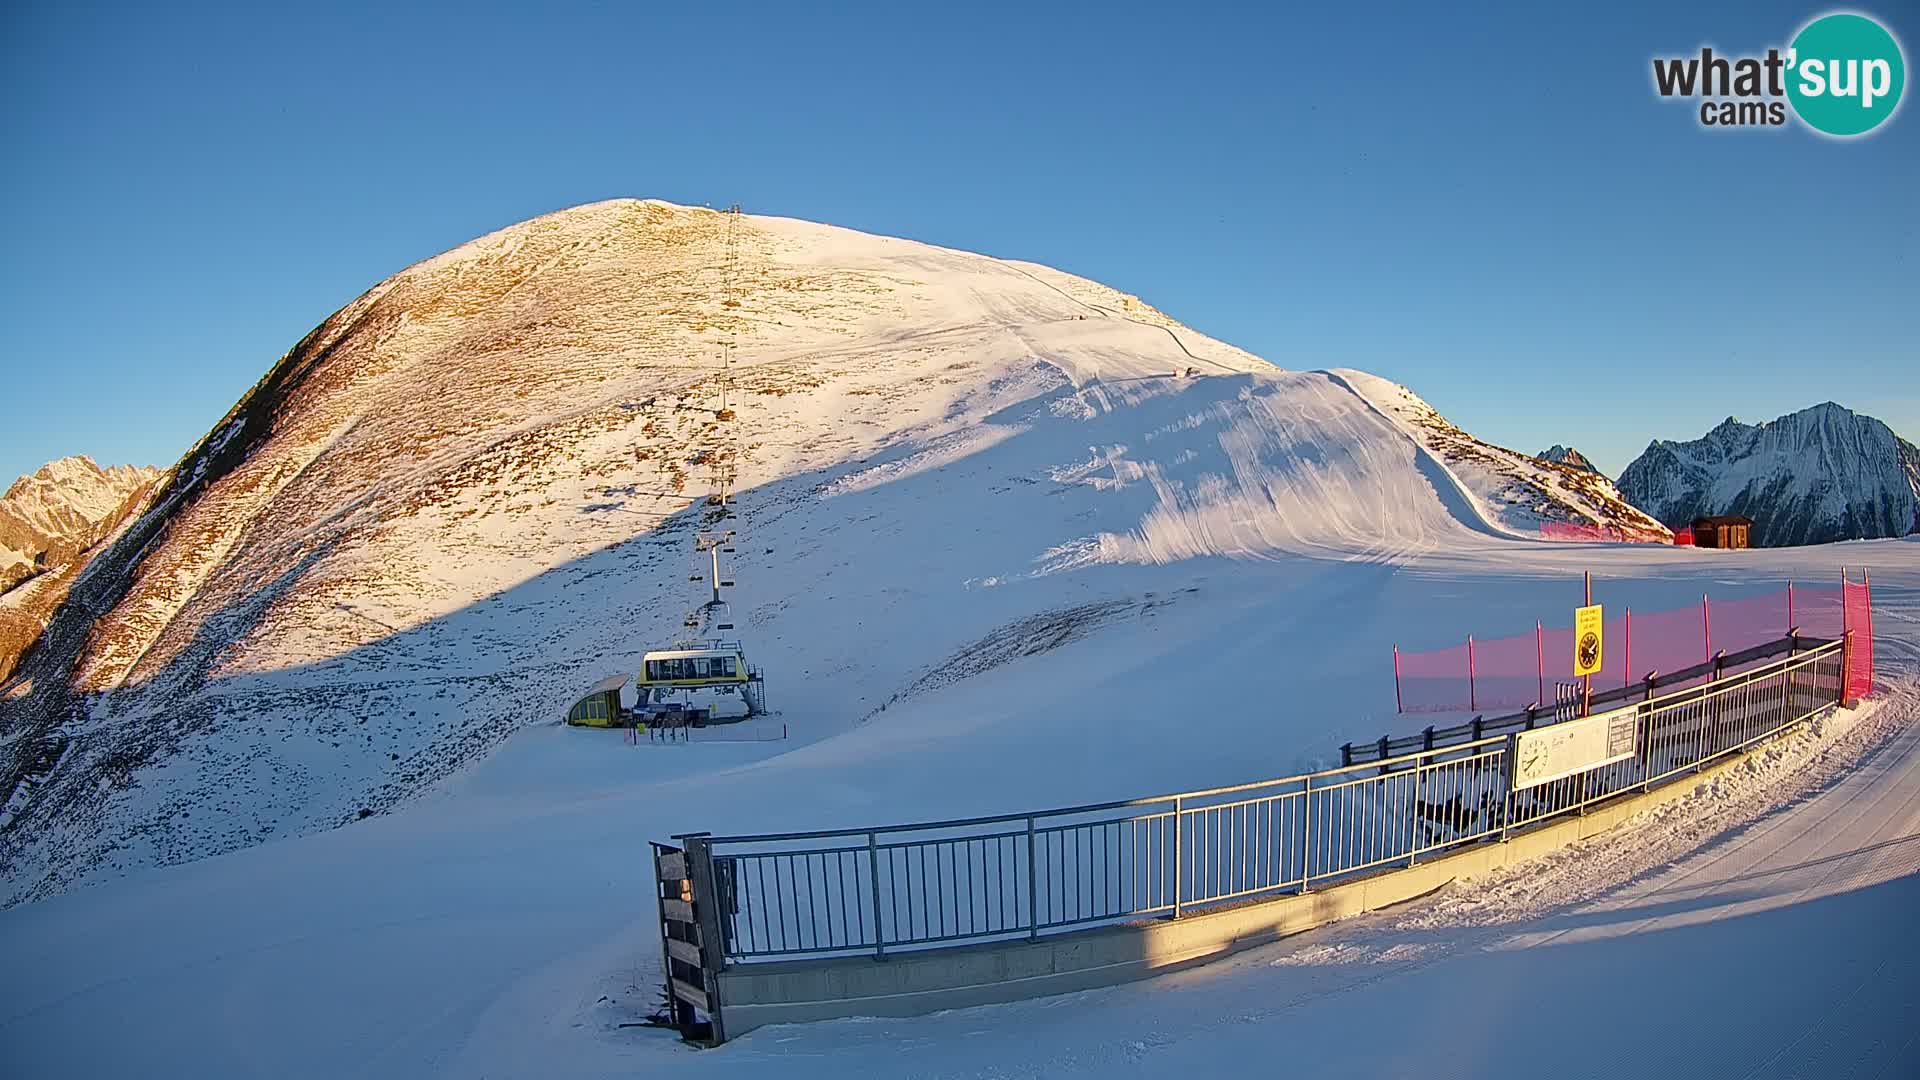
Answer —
(1006, 877)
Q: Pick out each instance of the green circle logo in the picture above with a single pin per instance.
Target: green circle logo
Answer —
(1845, 74)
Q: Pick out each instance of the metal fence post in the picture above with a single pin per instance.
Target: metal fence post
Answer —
(1846, 657)
(1033, 887)
(1306, 834)
(1506, 782)
(1177, 846)
(1413, 805)
(873, 878)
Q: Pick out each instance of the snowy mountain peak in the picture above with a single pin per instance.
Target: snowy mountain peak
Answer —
(1824, 473)
(51, 515)
(1568, 456)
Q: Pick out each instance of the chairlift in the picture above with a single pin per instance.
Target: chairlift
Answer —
(705, 677)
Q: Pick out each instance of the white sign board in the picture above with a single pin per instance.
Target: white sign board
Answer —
(1561, 750)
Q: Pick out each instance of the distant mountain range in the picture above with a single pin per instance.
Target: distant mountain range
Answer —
(52, 522)
(1568, 456)
(47, 518)
(1818, 475)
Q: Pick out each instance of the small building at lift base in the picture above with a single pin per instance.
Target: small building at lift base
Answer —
(601, 706)
(1721, 531)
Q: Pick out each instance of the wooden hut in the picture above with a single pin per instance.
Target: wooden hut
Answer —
(1721, 531)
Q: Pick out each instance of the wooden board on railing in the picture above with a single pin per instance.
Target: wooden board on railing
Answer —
(690, 994)
(685, 952)
(673, 866)
(678, 911)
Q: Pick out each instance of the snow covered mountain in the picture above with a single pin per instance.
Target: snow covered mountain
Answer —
(1515, 492)
(1818, 475)
(1568, 456)
(48, 517)
(51, 523)
(471, 493)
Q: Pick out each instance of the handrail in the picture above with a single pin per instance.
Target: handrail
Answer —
(1002, 877)
(1700, 692)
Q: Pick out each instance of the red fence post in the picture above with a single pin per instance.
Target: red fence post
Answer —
(1540, 659)
(1473, 700)
(1866, 586)
(1706, 626)
(1398, 705)
(1846, 635)
(1626, 669)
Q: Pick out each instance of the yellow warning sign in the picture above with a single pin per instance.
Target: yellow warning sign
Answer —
(1588, 632)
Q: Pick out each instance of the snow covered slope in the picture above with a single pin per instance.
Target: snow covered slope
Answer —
(1511, 491)
(471, 493)
(500, 927)
(1822, 474)
(47, 518)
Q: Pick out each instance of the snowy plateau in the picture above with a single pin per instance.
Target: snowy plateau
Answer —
(1007, 539)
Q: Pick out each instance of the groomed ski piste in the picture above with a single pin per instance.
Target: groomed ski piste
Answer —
(1072, 575)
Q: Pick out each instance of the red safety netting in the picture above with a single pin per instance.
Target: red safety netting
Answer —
(1596, 534)
(1520, 669)
(1434, 680)
(1858, 603)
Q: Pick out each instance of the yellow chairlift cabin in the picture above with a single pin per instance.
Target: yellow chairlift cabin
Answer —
(703, 682)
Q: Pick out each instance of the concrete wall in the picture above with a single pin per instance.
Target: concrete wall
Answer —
(914, 983)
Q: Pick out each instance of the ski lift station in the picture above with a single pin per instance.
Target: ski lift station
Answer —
(704, 683)
(710, 682)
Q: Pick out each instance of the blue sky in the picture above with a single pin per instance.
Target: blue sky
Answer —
(1490, 206)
